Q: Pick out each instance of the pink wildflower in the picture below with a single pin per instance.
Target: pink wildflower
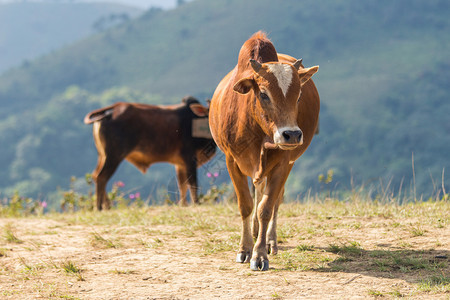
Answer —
(120, 184)
(44, 204)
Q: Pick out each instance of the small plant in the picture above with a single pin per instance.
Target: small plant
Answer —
(70, 268)
(276, 296)
(440, 283)
(73, 201)
(10, 236)
(352, 248)
(156, 243)
(333, 248)
(325, 180)
(328, 178)
(406, 263)
(123, 272)
(135, 200)
(304, 247)
(375, 293)
(30, 268)
(396, 294)
(417, 231)
(21, 206)
(118, 198)
(215, 193)
(100, 242)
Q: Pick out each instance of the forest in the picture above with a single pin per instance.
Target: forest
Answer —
(383, 80)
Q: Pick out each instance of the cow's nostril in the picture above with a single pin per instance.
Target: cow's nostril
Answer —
(292, 135)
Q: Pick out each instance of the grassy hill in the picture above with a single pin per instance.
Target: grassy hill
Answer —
(383, 82)
(30, 29)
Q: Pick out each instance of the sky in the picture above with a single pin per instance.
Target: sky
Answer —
(138, 3)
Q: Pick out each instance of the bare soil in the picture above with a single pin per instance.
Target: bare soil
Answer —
(167, 252)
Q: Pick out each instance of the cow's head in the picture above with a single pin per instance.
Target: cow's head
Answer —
(277, 88)
(195, 106)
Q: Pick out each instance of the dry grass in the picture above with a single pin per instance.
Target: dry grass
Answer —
(357, 241)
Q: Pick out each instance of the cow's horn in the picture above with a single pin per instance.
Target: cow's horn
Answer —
(298, 63)
(255, 65)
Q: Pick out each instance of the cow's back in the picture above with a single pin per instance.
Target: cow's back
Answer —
(144, 134)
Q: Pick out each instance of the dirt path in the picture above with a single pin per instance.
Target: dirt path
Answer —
(188, 253)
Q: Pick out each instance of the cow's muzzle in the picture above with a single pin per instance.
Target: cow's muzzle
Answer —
(288, 138)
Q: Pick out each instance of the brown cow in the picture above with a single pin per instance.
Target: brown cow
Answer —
(263, 116)
(145, 134)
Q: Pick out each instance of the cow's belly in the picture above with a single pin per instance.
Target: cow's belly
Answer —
(142, 161)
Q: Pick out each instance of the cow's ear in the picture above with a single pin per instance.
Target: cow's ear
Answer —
(199, 110)
(306, 73)
(244, 85)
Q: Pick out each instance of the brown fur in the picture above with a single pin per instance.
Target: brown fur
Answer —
(243, 124)
(145, 134)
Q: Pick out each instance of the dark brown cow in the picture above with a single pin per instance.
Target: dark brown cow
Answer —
(145, 134)
(263, 116)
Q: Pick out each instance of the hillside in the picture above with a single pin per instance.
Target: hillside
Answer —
(30, 29)
(383, 82)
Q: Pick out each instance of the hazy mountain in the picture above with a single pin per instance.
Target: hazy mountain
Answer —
(30, 29)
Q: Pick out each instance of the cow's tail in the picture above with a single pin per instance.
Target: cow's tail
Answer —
(98, 114)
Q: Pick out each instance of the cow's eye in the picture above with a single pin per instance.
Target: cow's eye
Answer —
(264, 97)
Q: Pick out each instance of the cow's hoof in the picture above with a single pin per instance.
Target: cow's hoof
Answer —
(259, 265)
(243, 257)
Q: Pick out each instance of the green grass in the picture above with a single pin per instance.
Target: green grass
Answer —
(70, 268)
(437, 283)
(98, 241)
(10, 235)
(304, 247)
(417, 231)
(375, 293)
(347, 249)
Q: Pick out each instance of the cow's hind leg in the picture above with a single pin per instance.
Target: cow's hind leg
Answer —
(245, 204)
(101, 179)
(182, 184)
(272, 245)
(192, 181)
(259, 191)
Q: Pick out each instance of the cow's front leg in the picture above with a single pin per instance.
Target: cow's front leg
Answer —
(265, 210)
(245, 204)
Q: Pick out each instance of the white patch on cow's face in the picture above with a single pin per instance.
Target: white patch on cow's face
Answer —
(284, 74)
